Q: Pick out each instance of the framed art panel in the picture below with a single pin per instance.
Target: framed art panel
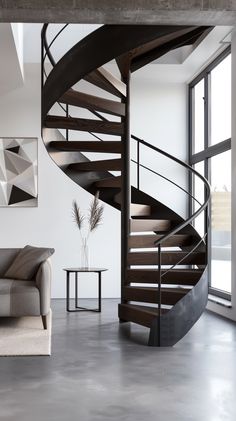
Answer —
(18, 172)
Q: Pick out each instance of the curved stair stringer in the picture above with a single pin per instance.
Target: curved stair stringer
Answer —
(181, 318)
(111, 42)
(176, 316)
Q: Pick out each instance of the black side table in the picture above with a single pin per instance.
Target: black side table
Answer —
(82, 270)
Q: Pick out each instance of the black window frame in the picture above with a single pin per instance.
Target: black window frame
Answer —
(209, 150)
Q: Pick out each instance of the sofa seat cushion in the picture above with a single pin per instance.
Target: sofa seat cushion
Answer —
(19, 298)
(27, 262)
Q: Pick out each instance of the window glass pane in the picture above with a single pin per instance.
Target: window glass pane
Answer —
(199, 195)
(221, 101)
(221, 221)
(198, 117)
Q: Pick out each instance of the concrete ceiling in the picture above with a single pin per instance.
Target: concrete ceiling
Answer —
(196, 12)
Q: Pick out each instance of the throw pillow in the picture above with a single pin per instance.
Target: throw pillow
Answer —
(27, 262)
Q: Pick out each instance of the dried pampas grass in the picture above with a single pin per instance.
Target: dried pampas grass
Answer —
(94, 217)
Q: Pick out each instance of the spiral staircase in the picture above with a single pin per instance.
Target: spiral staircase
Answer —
(163, 258)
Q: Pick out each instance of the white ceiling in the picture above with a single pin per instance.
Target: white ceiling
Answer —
(169, 69)
(70, 36)
(206, 51)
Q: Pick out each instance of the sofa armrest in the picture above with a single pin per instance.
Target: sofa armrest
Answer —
(43, 282)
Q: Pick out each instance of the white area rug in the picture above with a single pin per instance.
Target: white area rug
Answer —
(25, 336)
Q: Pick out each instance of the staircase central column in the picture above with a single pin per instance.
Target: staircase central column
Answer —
(125, 188)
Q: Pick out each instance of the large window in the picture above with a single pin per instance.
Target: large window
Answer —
(210, 154)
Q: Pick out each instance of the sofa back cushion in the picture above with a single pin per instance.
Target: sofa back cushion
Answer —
(6, 258)
(27, 262)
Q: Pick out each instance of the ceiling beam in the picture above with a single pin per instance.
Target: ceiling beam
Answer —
(182, 12)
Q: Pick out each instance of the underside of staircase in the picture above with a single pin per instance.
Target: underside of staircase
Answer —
(164, 260)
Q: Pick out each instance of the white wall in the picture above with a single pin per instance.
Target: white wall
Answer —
(51, 224)
(11, 69)
(159, 116)
(17, 29)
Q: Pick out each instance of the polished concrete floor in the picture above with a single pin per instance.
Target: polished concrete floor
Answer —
(100, 370)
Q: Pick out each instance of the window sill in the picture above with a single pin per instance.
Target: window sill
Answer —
(220, 301)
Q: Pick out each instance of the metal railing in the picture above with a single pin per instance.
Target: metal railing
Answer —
(47, 53)
(179, 227)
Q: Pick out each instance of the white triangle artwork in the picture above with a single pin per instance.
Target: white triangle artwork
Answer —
(18, 172)
(26, 181)
(19, 163)
(3, 197)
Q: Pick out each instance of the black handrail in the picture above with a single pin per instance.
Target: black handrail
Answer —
(179, 227)
(167, 179)
(47, 47)
(185, 257)
(53, 63)
(193, 171)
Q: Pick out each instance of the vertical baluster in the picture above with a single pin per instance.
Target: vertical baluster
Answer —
(67, 115)
(42, 78)
(159, 295)
(138, 169)
(126, 189)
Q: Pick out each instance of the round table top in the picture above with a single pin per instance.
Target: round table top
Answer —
(80, 269)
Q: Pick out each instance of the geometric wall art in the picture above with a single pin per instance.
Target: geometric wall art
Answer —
(18, 172)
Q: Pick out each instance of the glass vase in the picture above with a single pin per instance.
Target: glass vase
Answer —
(84, 254)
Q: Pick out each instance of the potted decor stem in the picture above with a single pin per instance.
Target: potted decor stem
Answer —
(87, 225)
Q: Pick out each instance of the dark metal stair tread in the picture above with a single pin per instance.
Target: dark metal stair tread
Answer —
(163, 289)
(142, 241)
(167, 257)
(107, 164)
(152, 216)
(147, 309)
(114, 182)
(178, 271)
(83, 124)
(164, 252)
(87, 146)
(107, 81)
(175, 276)
(146, 224)
(169, 296)
(139, 196)
(91, 102)
(139, 314)
(139, 210)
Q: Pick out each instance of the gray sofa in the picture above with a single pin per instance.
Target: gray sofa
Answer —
(22, 297)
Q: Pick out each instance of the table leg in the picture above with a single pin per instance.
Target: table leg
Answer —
(76, 289)
(68, 291)
(99, 292)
